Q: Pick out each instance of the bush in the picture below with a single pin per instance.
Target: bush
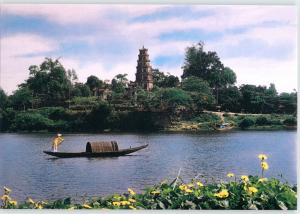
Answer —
(32, 122)
(261, 121)
(53, 113)
(98, 117)
(246, 122)
(206, 117)
(291, 121)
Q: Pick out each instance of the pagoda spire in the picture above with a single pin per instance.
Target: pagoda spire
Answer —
(144, 77)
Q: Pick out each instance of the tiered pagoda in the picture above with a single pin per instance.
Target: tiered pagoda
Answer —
(143, 74)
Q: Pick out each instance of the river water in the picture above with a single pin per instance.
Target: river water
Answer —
(29, 172)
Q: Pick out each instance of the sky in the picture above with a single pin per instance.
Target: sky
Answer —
(258, 42)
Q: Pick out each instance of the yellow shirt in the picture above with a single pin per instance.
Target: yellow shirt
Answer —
(57, 141)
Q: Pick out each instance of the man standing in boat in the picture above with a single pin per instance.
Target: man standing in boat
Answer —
(56, 142)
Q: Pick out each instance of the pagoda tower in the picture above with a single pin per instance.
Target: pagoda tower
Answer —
(143, 76)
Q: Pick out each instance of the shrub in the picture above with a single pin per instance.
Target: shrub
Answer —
(98, 117)
(31, 122)
(246, 122)
(261, 121)
(53, 113)
(206, 117)
(291, 121)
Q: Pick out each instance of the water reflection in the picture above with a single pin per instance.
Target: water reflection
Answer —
(30, 172)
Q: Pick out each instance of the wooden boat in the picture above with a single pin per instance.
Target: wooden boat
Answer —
(98, 149)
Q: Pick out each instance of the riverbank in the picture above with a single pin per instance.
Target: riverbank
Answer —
(208, 120)
(57, 119)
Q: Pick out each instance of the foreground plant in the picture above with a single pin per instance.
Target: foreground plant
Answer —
(248, 192)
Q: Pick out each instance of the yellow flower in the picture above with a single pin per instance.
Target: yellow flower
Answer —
(86, 206)
(132, 207)
(252, 190)
(5, 197)
(116, 203)
(264, 165)
(262, 179)
(124, 203)
(71, 208)
(13, 203)
(190, 185)
(230, 175)
(262, 157)
(155, 192)
(200, 184)
(30, 201)
(188, 190)
(182, 187)
(131, 192)
(132, 200)
(223, 194)
(7, 190)
(38, 206)
(245, 178)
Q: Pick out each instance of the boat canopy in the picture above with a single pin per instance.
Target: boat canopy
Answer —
(103, 146)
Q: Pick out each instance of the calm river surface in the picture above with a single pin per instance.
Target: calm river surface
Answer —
(29, 172)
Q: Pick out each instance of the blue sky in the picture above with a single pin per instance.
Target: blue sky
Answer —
(258, 42)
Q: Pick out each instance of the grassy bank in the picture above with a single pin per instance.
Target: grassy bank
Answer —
(239, 192)
(207, 120)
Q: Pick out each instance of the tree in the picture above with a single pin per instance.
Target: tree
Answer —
(98, 118)
(199, 91)
(80, 90)
(49, 82)
(288, 103)
(171, 98)
(119, 83)
(230, 99)
(22, 98)
(93, 82)
(271, 99)
(3, 99)
(122, 78)
(260, 99)
(253, 99)
(207, 66)
(164, 81)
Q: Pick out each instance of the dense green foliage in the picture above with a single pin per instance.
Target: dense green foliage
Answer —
(250, 194)
(207, 84)
(164, 81)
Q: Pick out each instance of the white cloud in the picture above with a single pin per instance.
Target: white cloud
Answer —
(111, 26)
(98, 69)
(265, 71)
(78, 13)
(14, 65)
